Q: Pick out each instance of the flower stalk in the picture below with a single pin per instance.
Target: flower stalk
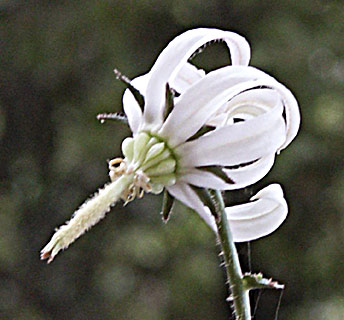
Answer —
(240, 295)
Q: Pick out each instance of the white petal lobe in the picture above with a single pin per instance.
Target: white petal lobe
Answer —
(259, 218)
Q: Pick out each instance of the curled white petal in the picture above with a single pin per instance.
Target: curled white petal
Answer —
(249, 174)
(176, 54)
(245, 106)
(292, 113)
(260, 217)
(242, 177)
(236, 144)
(206, 97)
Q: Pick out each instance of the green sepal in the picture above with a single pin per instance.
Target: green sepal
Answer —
(169, 101)
(136, 93)
(167, 206)
(257, 281)
(217, 171)
(119, 117)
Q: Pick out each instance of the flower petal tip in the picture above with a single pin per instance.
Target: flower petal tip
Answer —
(273, 191)
(258, 218)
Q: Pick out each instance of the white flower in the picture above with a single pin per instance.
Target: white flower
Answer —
(253, 115)
(221, 131)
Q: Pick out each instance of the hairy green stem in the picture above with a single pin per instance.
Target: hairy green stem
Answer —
(240, 295)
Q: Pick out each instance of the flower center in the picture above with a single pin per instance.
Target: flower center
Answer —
(150, 160)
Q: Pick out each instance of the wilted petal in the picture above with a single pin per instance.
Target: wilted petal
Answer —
(238, 143)
(258, 218)
(184, 193)
(174, 57)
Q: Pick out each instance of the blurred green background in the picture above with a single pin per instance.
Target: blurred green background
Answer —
(56, 74)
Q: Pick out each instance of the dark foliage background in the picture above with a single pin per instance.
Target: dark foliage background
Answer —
(56, 74)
